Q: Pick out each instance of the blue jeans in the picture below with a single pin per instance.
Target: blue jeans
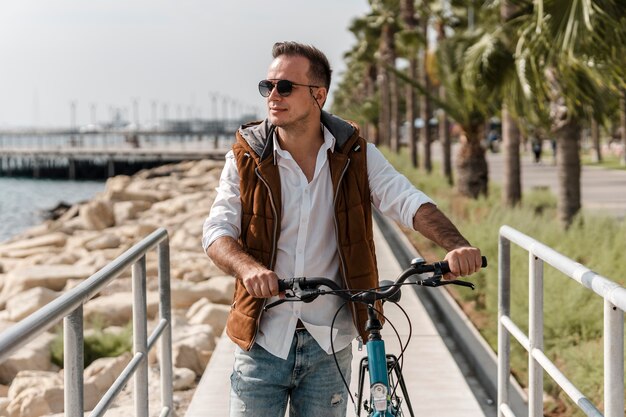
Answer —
(262, 384)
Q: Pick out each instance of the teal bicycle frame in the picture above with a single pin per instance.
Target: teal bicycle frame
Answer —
(383, 402)
(377, 361)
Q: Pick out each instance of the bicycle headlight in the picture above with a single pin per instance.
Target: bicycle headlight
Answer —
(379, 396)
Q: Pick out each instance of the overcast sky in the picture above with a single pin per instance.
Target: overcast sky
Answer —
(178, 54)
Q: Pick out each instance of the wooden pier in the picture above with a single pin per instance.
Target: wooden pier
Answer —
(74, 154)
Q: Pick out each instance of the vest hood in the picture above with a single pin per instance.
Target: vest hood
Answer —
(258, 134)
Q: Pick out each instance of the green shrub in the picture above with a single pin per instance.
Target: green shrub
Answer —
(97, 344)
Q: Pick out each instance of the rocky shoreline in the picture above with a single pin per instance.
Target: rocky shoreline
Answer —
(43, 262)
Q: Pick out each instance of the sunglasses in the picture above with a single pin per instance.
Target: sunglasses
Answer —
(284, 87)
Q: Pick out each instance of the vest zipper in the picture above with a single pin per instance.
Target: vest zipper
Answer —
(341, 260)
(271, 265)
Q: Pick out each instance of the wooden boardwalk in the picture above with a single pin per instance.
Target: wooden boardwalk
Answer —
(436, 385)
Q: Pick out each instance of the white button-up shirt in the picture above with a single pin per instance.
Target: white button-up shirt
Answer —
(307, 245)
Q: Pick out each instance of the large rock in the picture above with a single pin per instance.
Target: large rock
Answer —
(117, 183)
(217, 290)
(182, 239)
(117, 309)
(102, 373)
(205, 312)
(204, 167)
(34, 394)
(26, 253)
(52, 239)
(193, 347)
(29, 301)
(33, 356)
(52, 277)
(184, 379)
(129, 210)
(34, 379)
(97, 215)
(133, 191)
(104, 241)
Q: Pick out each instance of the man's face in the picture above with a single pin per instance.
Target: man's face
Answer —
(299, 106)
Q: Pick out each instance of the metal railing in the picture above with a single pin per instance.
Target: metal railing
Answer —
(69, 307)
(614, 297)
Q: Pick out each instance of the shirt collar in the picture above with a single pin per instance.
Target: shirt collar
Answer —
(329, 143)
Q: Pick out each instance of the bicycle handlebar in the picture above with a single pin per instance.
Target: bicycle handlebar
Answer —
(307, 289)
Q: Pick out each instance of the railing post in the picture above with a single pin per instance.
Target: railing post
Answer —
(613, 360)
(535, 332)
(504, 310)
(73, 363)
(140, 336)
(167, 391)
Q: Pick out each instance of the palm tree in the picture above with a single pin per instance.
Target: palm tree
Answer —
(512, 180)
(425, 105)
(564, 58)
(469, 106)
(356, 97)
(410, 41)
(622, 122)
(595, 140)
(383, 16)
(441, 23)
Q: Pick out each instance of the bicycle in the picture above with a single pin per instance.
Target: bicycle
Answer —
(385, 370)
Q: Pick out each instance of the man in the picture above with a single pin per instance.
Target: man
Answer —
(295, 199)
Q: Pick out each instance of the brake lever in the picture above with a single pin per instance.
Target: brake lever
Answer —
(436, 281)
(274, 304)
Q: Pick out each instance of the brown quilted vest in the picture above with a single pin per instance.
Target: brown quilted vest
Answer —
(261, 217)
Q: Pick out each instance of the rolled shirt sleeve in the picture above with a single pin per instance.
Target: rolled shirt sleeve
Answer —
(225, 216)
(391, 192)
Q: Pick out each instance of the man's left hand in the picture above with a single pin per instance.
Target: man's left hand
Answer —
(463, 261)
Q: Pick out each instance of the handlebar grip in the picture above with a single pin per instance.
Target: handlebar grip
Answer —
(445, 268)
(284, 285)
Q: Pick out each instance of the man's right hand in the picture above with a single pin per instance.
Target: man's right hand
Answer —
(260, 282)
(228, 255)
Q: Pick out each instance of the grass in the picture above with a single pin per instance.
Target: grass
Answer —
(97, 344)
(573, 315)
(608, 162)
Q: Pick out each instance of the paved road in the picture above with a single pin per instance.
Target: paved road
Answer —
(603, 190)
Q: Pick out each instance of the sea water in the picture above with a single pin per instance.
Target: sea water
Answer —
(24, 201)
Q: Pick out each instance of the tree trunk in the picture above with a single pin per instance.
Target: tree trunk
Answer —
(425, 102)
(411, 112)
(372, 126)
(394, 111)
(595, 138)
(512, 183)
(384, 120)
(444, 138)
(622, 123)
(568, 170)
(407, 8)
(567, 133)
(471, 165)
(444, 122)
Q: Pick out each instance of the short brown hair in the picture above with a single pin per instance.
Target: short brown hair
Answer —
(319, 71)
